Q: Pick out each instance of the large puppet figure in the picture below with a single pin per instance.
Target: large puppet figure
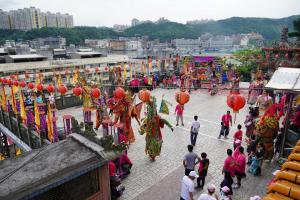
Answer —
(151, 126)
(87, 101)
(124, 110)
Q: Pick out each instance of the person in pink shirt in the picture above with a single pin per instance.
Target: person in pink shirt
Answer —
(226, 121)
(179, 114)
(240, 166)
(229, 164)
(238, 135)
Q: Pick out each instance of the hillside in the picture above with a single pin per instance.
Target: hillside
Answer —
(269, 28)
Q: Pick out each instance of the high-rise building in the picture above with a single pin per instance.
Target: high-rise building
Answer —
(33, 18)
(4, 20)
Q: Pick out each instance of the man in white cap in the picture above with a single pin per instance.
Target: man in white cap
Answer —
(210, 194)
(187, 186)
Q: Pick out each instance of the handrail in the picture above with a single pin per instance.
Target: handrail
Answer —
(16, 140)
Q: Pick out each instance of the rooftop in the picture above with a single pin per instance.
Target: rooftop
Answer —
(26, 56)
(46, 168)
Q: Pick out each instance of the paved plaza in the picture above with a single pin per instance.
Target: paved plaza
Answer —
(162, 179)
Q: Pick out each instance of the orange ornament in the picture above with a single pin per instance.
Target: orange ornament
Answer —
(182, 97)
(144, 95)
(77, 91)
(119, 93)
(22, 84)
(30, 86)
(62, 89)
(96, 92)
(50, 88)
(40, 87)
(236, 102)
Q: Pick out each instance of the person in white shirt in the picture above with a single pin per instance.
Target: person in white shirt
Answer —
(210, 194)
(187, 186)
(194, 130)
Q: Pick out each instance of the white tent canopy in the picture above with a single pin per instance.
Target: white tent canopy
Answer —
(285, 79)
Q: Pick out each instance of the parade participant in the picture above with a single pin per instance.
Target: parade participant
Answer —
(225, 193)
(213, 84)
(202, 171)
(226, 120)
(227, 182)
(240, 166)
(101, 111)
(210, 194)
(179, 114)
(235, 87)
(190, 160)
(295, 120)
(187, 186)
(250, 122)
(124, 111)
(264, 101)
(194, 130)
(174, 80)
(126, 164)
(255, 89)
(151, 126)
(229, 163)
(238, 135)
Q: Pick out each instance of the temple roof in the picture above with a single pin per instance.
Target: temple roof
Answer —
(45, 168)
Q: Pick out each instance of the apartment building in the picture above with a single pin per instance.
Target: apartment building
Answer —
(33, 18)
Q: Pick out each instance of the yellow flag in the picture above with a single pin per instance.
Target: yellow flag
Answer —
(158, 64)
(150, 66)
(50, 123)
(130, 71)
(13, 100)
(75, 78)
(59, 81)
(18, 152)
(3, 99)
(124, 72)
(37, 119)
(22, 109)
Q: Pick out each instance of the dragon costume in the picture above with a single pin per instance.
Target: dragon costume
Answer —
(151, 126)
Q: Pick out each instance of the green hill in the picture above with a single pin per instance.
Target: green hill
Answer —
(269, 28)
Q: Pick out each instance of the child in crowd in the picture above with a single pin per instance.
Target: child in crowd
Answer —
(254, 167)
(203, 167)
(238, 135)
(222, 131)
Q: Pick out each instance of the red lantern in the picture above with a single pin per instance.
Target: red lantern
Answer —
(236, 102)
(16, 83)
(27, 76)
(40, 87)
(22, 84)
(96, 92)
(12, 76)
(144, 95)
(97, 69)
(9, 82)
(182, 97)
(119, 93)
(77, 91)
(1, 80)
(30, 85)
(106, 68)
(62, 89)
(4, 80)
(50, 88)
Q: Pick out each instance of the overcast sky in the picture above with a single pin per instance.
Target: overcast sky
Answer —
(110, 12)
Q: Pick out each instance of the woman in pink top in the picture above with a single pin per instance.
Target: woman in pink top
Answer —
(179, 114)
(240, 166)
